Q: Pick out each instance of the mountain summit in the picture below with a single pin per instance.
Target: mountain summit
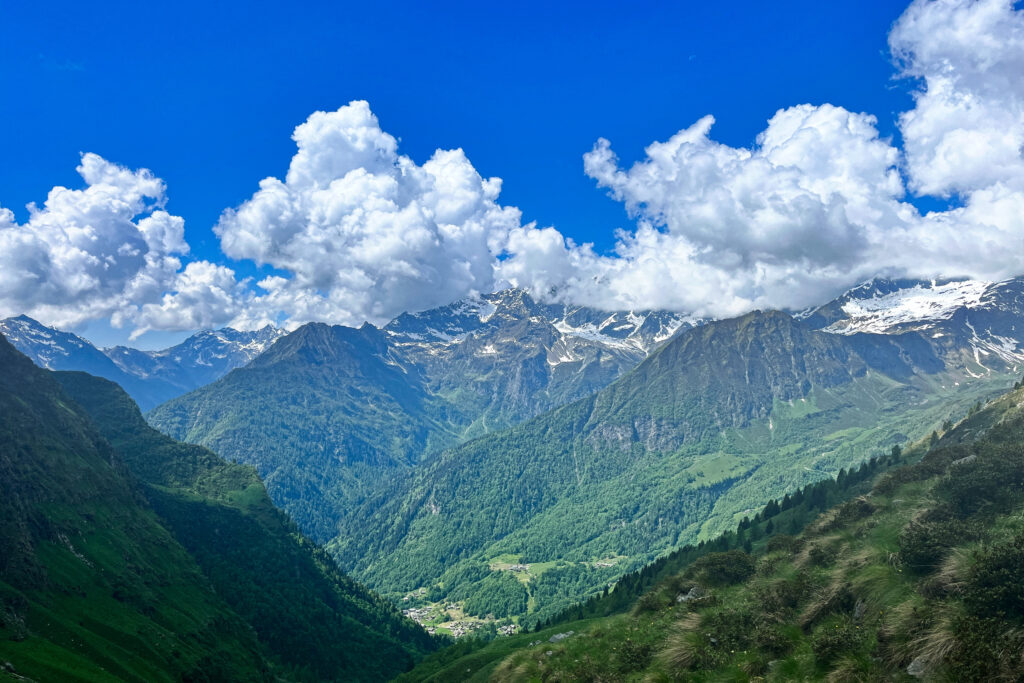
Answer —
(149, 377)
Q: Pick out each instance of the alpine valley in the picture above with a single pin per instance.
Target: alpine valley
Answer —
(329, 415)
(490, 463)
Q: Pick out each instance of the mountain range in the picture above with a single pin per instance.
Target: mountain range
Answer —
(661, 435)
(149, 377)
(328, 413)
(439, 451)
(677, 450)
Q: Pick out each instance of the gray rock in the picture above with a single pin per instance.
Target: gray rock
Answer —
(859, 609)
(918, 668)
(559, 637)
(696, 593)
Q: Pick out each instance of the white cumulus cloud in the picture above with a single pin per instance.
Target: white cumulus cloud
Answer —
(202, 295)
(363, 232)
(92, 252)
(966, 129)
(109, 250)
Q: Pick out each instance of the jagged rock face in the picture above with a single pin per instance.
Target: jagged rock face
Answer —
(510, 357)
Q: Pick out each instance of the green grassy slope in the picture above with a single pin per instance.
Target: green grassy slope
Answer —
(919, 578)
(310, 618)
(92, 586)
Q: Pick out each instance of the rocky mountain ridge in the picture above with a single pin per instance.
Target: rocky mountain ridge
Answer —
(149, 377)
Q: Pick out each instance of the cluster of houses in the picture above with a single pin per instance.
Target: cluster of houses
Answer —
(459, 628)
(418, 593)
(419, 614)
(423, 615)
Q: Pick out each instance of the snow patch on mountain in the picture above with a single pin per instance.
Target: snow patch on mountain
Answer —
(592, 332)
(926, 302)
(46, 346)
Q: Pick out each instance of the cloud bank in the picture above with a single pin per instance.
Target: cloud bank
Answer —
(821, 202)
(358, 231)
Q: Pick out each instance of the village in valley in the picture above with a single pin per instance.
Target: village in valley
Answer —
(449, 618)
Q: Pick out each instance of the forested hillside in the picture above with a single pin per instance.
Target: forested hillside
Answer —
(919, 577)
(721, 419)
(292, 593)
(93, 586)
(154, 560)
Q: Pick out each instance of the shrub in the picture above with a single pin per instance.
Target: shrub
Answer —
(994, 480)
(652, 601)
(923, 544)
(847, 513)
(632, 655)
(784, 594)
(995, 585)
(769, 638)
(723, 569)
(836, 599)
(834, 639)
(676, 584)
(822, 554)
(983, 652)
(783, 542)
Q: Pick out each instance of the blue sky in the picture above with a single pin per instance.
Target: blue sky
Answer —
(207, 96)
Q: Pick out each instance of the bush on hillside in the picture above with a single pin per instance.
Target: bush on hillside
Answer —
(783, 543)
(730, 630)
(995, 587)
(834, 639)
(847, 513)
(723, 569)
(924, 543)
(991, 482)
